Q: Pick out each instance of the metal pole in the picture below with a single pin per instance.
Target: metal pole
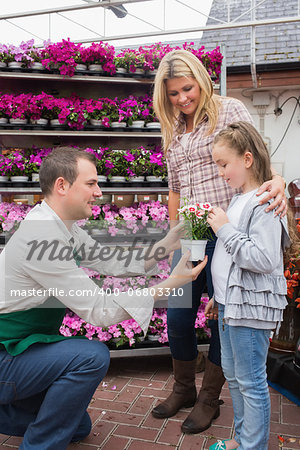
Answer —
(223, 82)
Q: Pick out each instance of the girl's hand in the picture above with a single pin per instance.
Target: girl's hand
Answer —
(275, 187)
(210, 312)
(217, 218)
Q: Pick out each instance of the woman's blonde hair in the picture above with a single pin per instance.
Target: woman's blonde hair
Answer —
(176, 64)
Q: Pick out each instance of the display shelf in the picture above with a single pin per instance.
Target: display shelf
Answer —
(150, 351)
(83, 133)
(88, 77)
(105, 190)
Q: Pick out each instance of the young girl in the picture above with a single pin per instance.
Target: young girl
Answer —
(249, 285)
(191, 115)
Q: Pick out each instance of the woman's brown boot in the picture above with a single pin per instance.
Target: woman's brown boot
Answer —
(184, 390)
(208, 404)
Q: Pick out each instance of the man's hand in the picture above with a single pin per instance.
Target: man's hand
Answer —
(185, 272)
(217, 218)
(210, 311)
(275, 187)
(182, 274)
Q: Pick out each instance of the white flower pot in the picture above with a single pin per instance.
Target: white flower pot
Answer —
(118, 179)
(3, 120)
(42, 122)
(95, 68)
(154, 179)
(96, 122)
(4, 178)
(102, 178)
(139, 179)
(80, 67)
(137, 124)
(138, 72)
(153, 337)
(197, 248)
(37, 66)
(118, 125)
(19, 179)
(152, 73)
(153, 125)
(35, 177)
(2, 64)
(121, 71)
(15, 65)
(98, 232)
(56, 123)
(154, 230)
(18, 121)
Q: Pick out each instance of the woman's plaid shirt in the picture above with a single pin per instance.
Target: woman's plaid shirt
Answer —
(191, 170)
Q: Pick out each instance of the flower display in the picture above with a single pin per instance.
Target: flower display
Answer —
(65, 55)
(129, 332)
(11, 214)
(103, 54)
(21, 53)
(195, 220)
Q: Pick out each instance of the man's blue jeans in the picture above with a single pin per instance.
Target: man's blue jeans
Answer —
(45, 391)
(244, 355)
(182, 313)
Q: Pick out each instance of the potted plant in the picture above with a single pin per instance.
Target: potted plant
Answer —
(100, 58)
(121, 65)
(197, 230)
(61, 56)
(16, 167)
(102, 170)
(117, 165)
(156, 167)
(3, 56)
(286, 338)
(117, 118)
(137, 164)
(19, 109)
(4, 109)
(151, 121)
(18, 57)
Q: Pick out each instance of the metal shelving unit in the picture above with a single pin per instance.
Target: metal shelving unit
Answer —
(151, 351)
(10, 133)
(82, 133)
(105, 190)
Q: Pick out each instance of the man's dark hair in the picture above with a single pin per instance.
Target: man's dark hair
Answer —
(61, 162)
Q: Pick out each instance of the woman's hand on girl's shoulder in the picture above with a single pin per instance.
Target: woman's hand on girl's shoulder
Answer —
(275, 189)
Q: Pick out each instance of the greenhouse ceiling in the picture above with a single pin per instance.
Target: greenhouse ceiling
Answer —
(122, 22)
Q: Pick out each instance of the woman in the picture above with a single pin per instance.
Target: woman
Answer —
(191, 115)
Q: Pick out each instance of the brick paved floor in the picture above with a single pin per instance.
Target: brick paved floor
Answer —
(121, 413)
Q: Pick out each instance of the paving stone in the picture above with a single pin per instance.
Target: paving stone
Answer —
(171, 433)
(144, 433)
(115, 443)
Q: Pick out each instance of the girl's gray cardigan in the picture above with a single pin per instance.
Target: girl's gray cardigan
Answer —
(256, 286)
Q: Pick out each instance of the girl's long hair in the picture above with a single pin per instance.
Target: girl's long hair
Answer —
(177, 64)
(243, 137)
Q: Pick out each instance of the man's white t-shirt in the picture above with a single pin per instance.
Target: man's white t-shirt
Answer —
(221, 261)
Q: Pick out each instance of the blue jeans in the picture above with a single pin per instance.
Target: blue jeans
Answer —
(182, 313)
(45, 391)
(244, 355)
